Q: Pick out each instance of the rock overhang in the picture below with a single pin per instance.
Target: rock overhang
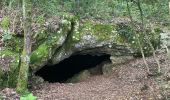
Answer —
(74, 36)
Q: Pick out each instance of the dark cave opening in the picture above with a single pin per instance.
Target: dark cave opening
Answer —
(67, 68)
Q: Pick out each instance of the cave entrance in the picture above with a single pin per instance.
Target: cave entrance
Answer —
(67, 68)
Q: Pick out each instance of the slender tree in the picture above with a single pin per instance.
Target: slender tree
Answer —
(139, 43)
(169, 7)
(138, 2)
(1, 4)
(25, 58)
(147, 37)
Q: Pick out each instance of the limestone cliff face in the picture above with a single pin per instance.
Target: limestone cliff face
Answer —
(68, 35)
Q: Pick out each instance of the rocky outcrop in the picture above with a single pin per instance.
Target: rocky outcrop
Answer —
(57, 40)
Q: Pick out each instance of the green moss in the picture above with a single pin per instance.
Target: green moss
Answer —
(39, 37)
(53, 38)
(23, 75)
(103, 28)
(75, 32)
(44, 51)
(102, 32)
(40, 54)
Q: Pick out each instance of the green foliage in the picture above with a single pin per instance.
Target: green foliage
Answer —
(29, 96)
(118, 8)
(9, 78)
(105, 9)
(0, 97)
(49, 7)
(5, 23)
(99, 9)
(127, 34)
(40, 19)
(157, 11)
(6, 35)
(100, 31)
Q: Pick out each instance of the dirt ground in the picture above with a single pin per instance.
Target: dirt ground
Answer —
(129, 81)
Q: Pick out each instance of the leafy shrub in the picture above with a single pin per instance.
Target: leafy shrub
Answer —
(40, 19)
(5, 23)
(6, 35)
(104, 9)
(29, 96)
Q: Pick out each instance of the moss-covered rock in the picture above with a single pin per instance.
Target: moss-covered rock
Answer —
(89, 34)
(53, 43)
(46, 50)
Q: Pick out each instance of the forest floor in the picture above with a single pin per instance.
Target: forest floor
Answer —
(129, 81)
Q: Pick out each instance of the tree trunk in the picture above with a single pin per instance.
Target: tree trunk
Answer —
(147, 38)
(25, 58)
(139, 42)
(1, 4)
(169, 7)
